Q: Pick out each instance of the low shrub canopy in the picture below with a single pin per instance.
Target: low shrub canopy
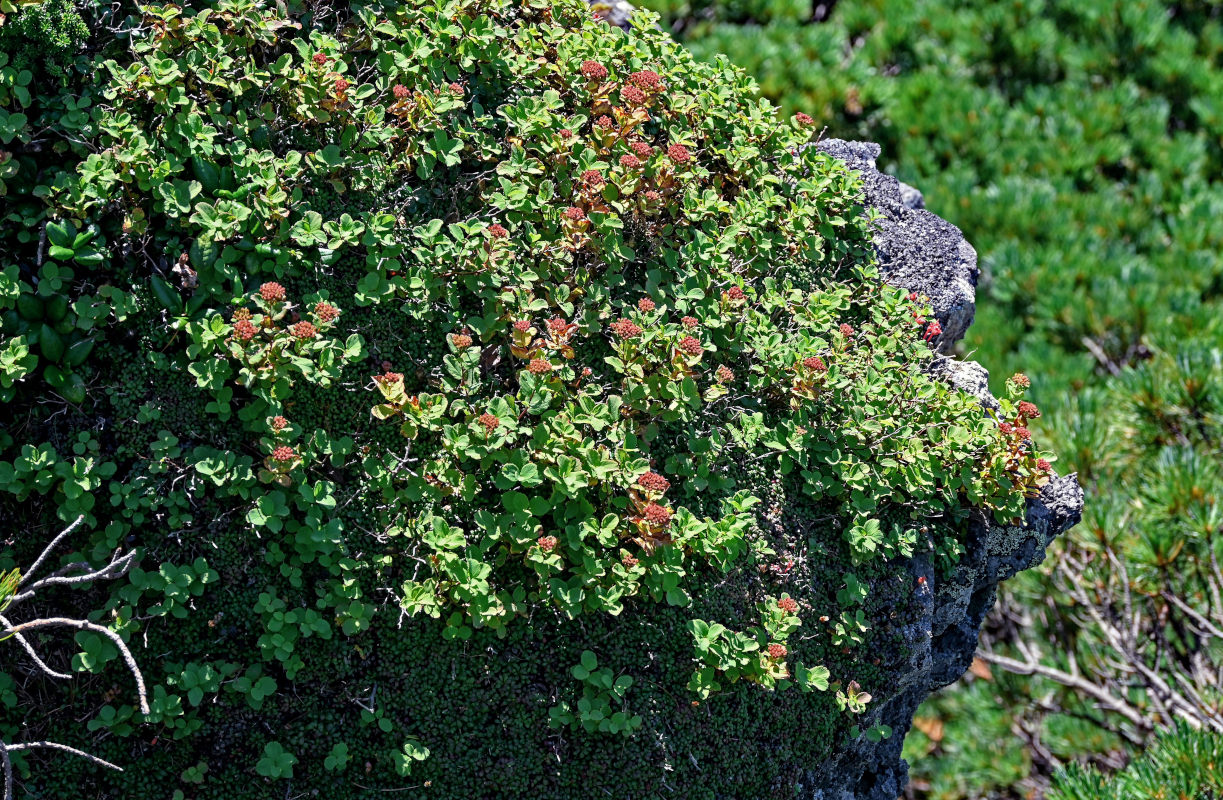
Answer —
(490, 395)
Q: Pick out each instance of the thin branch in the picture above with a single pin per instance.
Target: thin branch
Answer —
(21, 640)
(47, 551)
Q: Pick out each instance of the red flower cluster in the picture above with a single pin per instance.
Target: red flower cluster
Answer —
(539, 366)
(456, 88)
(633, 96)
(547, 543)
(556, 324)
(279, 423)
(691, 346)
(1022, 433)
(629, 560)
(653, 482)
(593, 70)
(1043, 465)
(815, 363)
(689, 322)
(489, 421)
(341, 85)
(657, 515)
(933, 331)
(272, 292)
(735, 293)
(646, 79)
(777, 651)
(461, 341)
(1028, 410)
(788, 605)
(400, 91)
(241, 313)
(646, 304)
(326, 311)
(625, 329)
(1021, 380)
(522, 325)
(846, 329)
(244, 330)
(912, 297)
(390, 377)
(592, 178)
(303, 330)
(642, 149)
(574, 213)
(723, 374)
(498, 231)
(652, 196)
(283, 454)
(321, 58)
(678, 153)
(604, 121)
(629, 161)
(803, 119)
(565, 134)
(1005, 427)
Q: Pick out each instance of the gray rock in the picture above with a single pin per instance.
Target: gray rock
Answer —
(924, 253)
(917, 249)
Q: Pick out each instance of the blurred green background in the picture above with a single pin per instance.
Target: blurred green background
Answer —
(1078, 144)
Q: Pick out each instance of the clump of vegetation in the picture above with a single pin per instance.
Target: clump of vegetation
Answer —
(1077, 146)
(435, 350)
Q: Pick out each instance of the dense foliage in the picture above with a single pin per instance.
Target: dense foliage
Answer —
(494, 402)
(1078, 145)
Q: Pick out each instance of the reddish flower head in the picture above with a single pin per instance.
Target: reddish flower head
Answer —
(1022, 433)
(629, 560)
(646, 79)
(461, 341)
(815, 364)
(455, 88)
(1006, 427)
(400, 91)
(633, 96)
(723, 374)
(646, 304)
(557, 325)
(321, 58)
(629, 161)
(847, 330)
(522, 325)
(593, 70)
(1043, 465)
(283, 454)
(341, 85)
(539, 366)
(593, 178)
(498, 231)
(689, 322)
(604, 121)
(777, 651)
(803, 119)
(625, 329)
(788, 605)
(546, 543)
(657, 515)
(303, 330)
(653, 482)
(279, 423)
(326, 312)
(565, 134)
(272, 292)
(390, 377)
(489, 421)
(933, 331)
(1028, 410)
(244, 330)
(691, 346)
(678, 153)
(735, 293)
(574, 213)
(641, 149)
(1019, 379)
(912, 297)
(652, 196)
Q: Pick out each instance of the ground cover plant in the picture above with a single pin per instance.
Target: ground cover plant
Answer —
(1077, 144)
(494, 402)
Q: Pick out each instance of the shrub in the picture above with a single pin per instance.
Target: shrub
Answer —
(388, 340)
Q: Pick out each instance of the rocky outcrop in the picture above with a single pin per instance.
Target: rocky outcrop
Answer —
(922, 252)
